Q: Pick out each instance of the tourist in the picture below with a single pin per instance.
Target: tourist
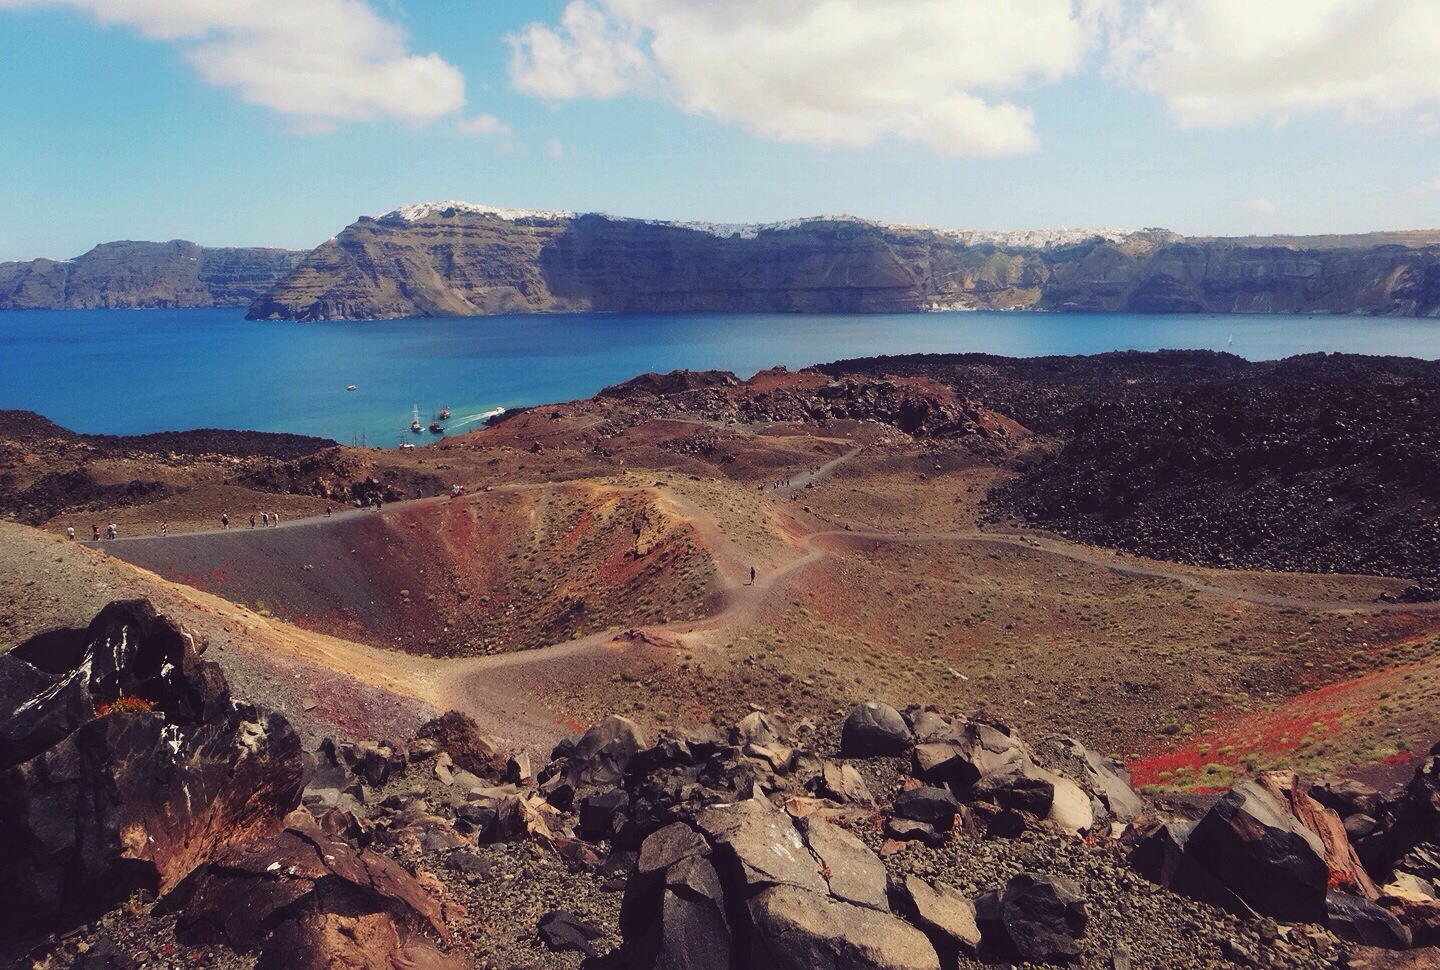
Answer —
(110, 531)
(752, 575)
(252, 520)
(265, 519)
(327, 510)
(224, 520)
(275, 519)
(94, 532)
(164, 530)
(70, 533)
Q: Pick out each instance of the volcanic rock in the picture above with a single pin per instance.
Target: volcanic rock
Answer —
(797, 930)
(945, 916)
(125, 765)
(1252, 841)
(460, 737)
(563, 931)
(933, 806)
(1038, 918)
(1362, 921)
(305, 898)
(874, 730)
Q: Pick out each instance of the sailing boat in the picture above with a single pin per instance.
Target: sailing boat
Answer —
(415, 419)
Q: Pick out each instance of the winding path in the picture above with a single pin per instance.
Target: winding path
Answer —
(471, 684)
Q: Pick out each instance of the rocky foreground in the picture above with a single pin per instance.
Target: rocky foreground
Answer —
(148, 819)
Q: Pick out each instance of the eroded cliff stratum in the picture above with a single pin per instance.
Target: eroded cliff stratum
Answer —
(441, 259)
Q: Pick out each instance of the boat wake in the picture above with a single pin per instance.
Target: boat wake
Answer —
(479, 418)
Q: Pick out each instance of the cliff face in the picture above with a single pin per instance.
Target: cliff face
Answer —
(454, 259)
(126, 275)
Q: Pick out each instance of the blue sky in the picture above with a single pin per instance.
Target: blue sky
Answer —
(155, 119)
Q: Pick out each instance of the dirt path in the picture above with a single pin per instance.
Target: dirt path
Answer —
(1108, 559)
(242, 527)
(496, 689)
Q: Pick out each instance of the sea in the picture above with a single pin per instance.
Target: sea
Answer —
(137, 371)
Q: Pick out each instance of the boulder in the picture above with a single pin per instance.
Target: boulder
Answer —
(760, 728)
(853, 873)
(1262, 852)
(364, 941)
(564, 932)
(874, 730)
(944, 915)
(1159, 855)
(928, 726)
(763, 846)
(602, 753)
(126, 767)
(908, 830)
(673, 914)
(1105, 777)
(517, 769)
(307, 898)
(374, 762)
(1037, 918)
(1347, 797)
(1070, 808)
(935, 807)
(843, 783)
(1362, 921)
(460, 737)
(792, 929)
(602, 814)
(1020, 786)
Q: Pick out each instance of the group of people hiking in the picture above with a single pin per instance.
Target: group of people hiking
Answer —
(267, 520)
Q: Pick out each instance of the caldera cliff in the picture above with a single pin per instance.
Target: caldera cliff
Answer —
(444, 259)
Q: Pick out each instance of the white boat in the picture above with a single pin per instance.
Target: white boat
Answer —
(415, 424)
(349, 387)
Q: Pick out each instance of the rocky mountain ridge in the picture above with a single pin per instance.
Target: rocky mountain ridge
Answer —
(454, 258)
(145, 275)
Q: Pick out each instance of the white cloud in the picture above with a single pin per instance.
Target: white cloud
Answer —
(1225, 62)
(554, 148)
(481, 126)
(828, 72)
(1263, 206)
(318, 62)
(487, 126)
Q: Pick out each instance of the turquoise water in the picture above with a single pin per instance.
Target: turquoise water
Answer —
(129, 372)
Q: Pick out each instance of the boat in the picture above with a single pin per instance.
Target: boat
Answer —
(435, 428)
(443, 414)
(407, 444)
(349, 387)
(415, 419)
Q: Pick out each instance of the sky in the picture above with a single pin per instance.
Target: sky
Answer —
(278, 122)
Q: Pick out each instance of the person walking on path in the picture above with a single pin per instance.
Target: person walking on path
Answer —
(252, 520)
(110, 531)
(70, 532)
(164, 530)
(327, 510)
(224, 520)
(752, 575)
(265, 519)
(275, 519)
(94, 532)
